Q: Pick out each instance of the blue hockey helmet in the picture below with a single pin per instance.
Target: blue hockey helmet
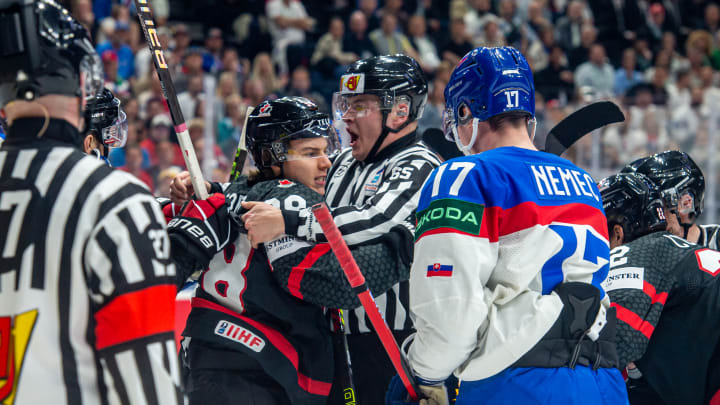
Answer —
(489, 82)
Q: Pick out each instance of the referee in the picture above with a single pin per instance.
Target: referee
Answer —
(372, 191)
(86, 285)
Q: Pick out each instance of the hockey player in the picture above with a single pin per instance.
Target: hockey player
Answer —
(288, 140)
(666, 292)
(106, 125)
(510, 250)
(86, 285)
(372, 191)
(683, 187)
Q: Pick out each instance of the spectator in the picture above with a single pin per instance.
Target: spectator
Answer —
(626, 76)
(659, 86)
(143, 58)
(475, 18)
(189, 99)
(288, 22)
(679, 92)
(427, 52)
(179, 45)
(301, 85)
(538, 50)
(711, 18)
(510, 22)
(133, 165)
(264, 71)
(254, 91)
(160, 128)
(113, 81)
(643, 54)
(433, 113)
(118, 42)
(457, 45)
(555, 82)
(164, 179)
(83, 13)
(230, 126)
(356, 39)
(619, 23)
(569, 26)
(165, 154)
(389, 41)
(580, 54)
(329, 56)
(656, 24)
(596, 74)
(192, 66)
(394, 7)
(491, 35)
(196, 129)
(369, 10)
(212, 58)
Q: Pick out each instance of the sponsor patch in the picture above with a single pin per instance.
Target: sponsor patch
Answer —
(372, 184)
(352, 83)
(439, 270)
(460, 215)
(624, 277)
(284, 246)
(285, 183)
(238, 334)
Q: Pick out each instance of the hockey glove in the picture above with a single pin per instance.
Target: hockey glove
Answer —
(435, 394)
(169, 208)
(196, 235)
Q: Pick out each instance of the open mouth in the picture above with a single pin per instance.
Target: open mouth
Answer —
(353, 138)
(320, 181)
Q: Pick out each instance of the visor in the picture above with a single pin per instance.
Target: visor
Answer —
(285, 150)
(348, 105)
(115, 135)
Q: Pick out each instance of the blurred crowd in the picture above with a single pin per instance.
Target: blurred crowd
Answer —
(658, 59)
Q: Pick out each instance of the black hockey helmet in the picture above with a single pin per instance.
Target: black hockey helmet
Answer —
(106, 120)
(45, 51)
(634, 202)
(273, 124)
(677, 175)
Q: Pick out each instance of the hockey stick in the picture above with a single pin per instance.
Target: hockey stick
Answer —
(148, 26)
(357, 282)
(579, 123)
(343, 362)
(241, 154)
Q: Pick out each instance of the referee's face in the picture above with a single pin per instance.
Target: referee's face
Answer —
(364, 124)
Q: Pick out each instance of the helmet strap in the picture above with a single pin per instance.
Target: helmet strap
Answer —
(383, 134)
(466, 149)
(532, 126)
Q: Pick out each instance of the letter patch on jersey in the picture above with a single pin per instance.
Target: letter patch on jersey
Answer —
(14, 339)
(238, 334)
(624, 277)
(456, 215)
(439, 270)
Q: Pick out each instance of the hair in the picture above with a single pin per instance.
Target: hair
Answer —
(515, 119)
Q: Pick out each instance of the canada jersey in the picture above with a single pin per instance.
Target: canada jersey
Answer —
(667, 295)
(240, 306)
(496, 232)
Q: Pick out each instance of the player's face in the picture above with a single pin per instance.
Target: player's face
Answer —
(363, 121)
(312, 169)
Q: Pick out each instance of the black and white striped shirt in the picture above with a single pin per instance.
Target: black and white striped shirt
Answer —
(709, 236)
(367, 200)
(86, 284)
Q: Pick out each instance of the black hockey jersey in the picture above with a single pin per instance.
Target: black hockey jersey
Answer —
(267, 312)
(667, 295)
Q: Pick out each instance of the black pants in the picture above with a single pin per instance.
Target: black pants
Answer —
(640, 393)
(371, 367)
(217, 386)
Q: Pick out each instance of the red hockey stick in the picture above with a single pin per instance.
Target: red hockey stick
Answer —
(357, 282)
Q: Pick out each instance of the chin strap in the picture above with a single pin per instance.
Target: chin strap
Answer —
(100, 156)
(383, 134)
(465, 149)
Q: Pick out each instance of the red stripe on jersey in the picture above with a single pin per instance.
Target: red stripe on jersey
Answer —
(529, 214)
(298, 272)
(135, 315)
(715, 400)
(649, 289)
(634, 320)
(276, 339)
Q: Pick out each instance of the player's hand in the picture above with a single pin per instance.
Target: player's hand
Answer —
(432, 394)
(181, 188)
(262, 221)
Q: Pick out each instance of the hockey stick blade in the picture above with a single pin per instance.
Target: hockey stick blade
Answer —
(357, 282)
(241, 154)
(147, 22)
(579, 123)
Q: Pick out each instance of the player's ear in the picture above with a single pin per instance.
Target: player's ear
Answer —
(88, 143)
(617, 236)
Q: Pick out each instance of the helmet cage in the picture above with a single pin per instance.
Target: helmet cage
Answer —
(280, 151)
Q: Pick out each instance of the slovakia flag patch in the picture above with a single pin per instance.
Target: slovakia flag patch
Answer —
(439, 270)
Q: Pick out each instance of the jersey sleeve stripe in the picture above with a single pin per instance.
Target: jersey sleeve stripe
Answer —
(633, 320)
(656, 297)
(124, 310)
(297, 272)
(277, 340)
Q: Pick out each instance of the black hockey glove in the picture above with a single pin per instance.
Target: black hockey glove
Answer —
(196, 235)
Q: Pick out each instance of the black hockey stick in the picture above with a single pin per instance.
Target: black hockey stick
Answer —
(343, 362)
(148, 26)
(579, 123)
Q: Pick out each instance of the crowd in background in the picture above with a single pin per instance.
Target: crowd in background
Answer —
(658, 59)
